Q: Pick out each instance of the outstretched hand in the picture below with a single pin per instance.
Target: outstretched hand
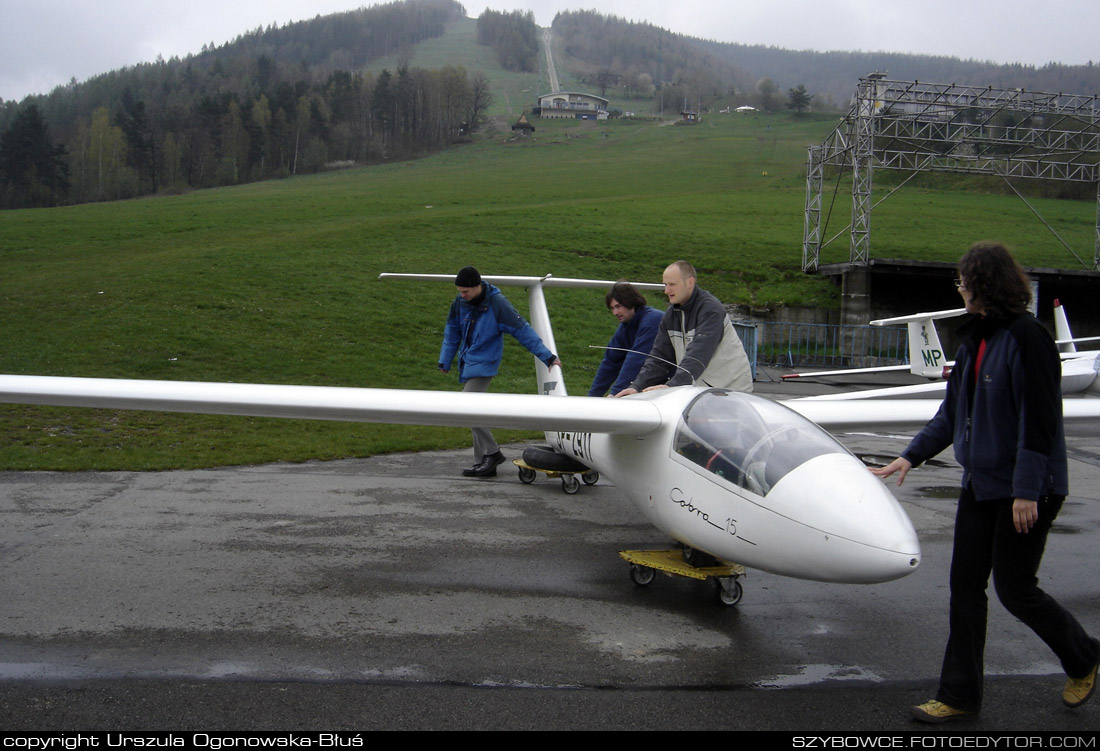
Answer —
(900, 465)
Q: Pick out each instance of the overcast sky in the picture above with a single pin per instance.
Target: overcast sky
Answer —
(45, 43)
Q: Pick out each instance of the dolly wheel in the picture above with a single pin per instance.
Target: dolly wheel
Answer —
(729, 590)
(526, 476)
(641, 575)
(570, 484)
(591, 477)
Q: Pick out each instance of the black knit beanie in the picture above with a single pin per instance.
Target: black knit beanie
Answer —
(468, 277)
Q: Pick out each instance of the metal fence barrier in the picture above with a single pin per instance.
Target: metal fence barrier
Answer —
(820, 345)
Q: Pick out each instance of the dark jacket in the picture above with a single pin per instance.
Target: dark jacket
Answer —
(1007, 424)
(618, 368)
(475, 332)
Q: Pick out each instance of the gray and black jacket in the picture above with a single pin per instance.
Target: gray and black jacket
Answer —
(700, 339)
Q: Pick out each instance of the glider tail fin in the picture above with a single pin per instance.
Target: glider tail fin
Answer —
(549, 381)
(1062, 331)
(926, 356)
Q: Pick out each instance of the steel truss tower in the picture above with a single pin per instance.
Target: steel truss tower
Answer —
(927, 127)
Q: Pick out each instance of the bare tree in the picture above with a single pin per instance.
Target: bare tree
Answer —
(480, 98)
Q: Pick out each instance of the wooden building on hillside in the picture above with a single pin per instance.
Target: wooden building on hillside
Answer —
(523, 126)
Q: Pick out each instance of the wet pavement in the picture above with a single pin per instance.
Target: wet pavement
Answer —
(392, 593)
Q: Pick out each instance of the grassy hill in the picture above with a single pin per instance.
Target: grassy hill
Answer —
(512, 91)
(277, 281)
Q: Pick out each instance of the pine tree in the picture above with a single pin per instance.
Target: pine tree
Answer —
(33, 171)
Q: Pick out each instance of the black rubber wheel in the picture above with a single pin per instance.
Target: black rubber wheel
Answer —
(544, 458)
(729, 590)
(570, 484)
(642, 575)
(698, 558)
(526, 476)
(591, 477)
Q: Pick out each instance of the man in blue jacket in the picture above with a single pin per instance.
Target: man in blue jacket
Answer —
(628, 348)
(479, 317)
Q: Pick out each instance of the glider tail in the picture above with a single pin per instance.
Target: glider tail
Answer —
(926, 357)
(549, 381)
(1061, 329)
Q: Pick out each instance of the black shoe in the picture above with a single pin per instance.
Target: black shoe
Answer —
(469, 471)
(488, 466)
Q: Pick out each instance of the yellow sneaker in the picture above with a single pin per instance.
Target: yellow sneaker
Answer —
(1078, 690)
(937, 712)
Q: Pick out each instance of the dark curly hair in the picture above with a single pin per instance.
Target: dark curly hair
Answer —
(627, 296)
(995, 279)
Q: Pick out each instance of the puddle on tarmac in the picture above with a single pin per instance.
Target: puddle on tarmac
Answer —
(812, 674)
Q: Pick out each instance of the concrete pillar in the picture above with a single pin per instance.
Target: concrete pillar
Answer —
(855, 310)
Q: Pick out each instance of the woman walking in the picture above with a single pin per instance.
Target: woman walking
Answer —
(1003, 413)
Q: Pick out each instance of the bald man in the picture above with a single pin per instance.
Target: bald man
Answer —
(697, 335)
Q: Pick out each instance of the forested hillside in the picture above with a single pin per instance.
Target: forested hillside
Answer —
(626, 59)
(273, 102)
(513, 36)
(342, 89)
(831, 76)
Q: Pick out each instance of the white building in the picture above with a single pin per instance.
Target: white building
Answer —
(572, 105)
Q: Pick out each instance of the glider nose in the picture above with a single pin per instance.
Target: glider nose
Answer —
(862, 527)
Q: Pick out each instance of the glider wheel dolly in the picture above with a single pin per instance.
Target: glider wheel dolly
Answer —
(544, 459)
(688, 562)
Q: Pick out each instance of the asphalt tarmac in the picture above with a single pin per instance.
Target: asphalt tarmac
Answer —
(391, 593)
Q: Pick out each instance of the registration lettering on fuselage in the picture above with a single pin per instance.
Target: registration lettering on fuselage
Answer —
(577, 444)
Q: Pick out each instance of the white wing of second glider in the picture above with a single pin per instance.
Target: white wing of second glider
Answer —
(912, 391)
(907, 413)
(848, 415)
(397, 406)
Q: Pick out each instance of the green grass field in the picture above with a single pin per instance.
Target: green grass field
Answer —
(277, 282)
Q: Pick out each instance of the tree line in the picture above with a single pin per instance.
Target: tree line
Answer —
(261, 106)
(222, 139)
(634, 60)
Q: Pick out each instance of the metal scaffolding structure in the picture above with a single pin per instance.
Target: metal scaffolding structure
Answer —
(927, 127)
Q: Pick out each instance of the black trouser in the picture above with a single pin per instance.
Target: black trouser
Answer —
(986, 540)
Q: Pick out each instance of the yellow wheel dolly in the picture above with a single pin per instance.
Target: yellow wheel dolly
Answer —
(569, 482)
(644, 565)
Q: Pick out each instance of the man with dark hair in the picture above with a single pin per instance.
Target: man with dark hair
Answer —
(1003, 413)
(479, 317)
(696, 342)
(628, 348)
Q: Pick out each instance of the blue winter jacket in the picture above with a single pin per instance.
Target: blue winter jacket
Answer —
(1007, 426)
(475, 332)
(619, 368)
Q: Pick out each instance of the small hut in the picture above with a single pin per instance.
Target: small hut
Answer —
(523, 127)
